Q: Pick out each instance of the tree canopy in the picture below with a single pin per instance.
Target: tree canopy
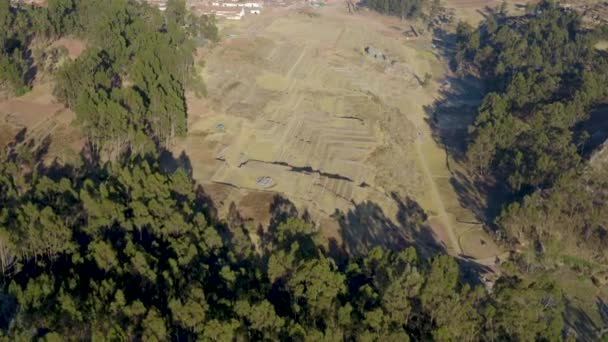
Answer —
(543, 77)
(128, 87)
(400, 8)
(125, 251)
(128, 251)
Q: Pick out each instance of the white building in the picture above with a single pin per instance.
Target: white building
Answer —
(230, 13)
(237, 4)
(161, 4)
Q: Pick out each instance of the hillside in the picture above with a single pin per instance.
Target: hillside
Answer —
(402, 170)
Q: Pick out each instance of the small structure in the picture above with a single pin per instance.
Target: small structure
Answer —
(265, 182)
(375, 53)
(237, 4)
(230, 13)
(39, 3)
(316, 3)
(161, 4)
(236, 16)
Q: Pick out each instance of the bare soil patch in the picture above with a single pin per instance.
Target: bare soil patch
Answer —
(255, 206)
(45, 124)
(74, 46)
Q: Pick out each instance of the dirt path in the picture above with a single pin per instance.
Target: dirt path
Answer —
(296, 114)
(439, 205)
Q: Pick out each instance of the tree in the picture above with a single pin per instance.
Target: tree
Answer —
(401, 8)
(61, 16)
(128, 254)
(528, 119)
(528, 311)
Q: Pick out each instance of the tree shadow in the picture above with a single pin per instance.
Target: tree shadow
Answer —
(31, 73)
(32, 154)
(18, 139)
(471, 271)
(578, 323)
(8, 309)
(450, 116)
(26, 151)
(449, 119)
(367, 226)
(281, 210)
(596, 127)
(169, 163)
(484, 198)
(602, 309)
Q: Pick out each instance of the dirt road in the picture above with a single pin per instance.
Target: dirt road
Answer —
(454, 247)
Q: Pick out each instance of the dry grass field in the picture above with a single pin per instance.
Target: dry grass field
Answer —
(296, 107)
(36, 120)
(473, 11)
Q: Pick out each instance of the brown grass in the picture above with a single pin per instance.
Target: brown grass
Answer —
(74, 46)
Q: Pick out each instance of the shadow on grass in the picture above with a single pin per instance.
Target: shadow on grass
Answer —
(449, 119)
(580, 325)
(366, 226)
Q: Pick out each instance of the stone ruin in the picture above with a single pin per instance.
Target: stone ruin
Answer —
(375, 53)
(265, 182)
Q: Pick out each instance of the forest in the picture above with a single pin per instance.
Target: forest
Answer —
(120, 248)
(126, 251)
(543, 78)
(400, 8)
(128, 88)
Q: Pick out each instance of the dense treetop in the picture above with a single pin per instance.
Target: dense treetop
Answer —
(126, 251)
(129, 251)
(543, 77)
(401, 8)
(128, 87)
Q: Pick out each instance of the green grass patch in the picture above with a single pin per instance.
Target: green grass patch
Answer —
(578, 263)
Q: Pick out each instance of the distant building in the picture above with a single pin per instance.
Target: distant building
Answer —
(161, 4)
(230, 13)
(228, 9)
(30, 2)
(237, 4)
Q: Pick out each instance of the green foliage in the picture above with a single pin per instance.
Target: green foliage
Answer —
(571, 214)
(526, 311)
(61, 16)
(126, 252)
(401, 8)
(128, 87)
(543, 75)
(14, 40)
